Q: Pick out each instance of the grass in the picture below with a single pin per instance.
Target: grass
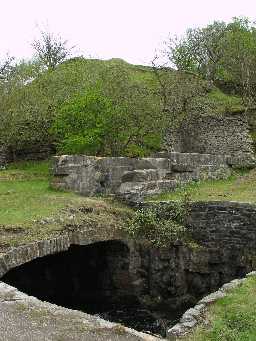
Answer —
(30, 209)
(231, 318)
(25, 194)
(240, 188)
(225, 103)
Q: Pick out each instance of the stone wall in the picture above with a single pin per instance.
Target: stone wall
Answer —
(224, 224)
(218, 224)
(176, 277)
(125, 176)
(251, 116)
(34, 152)
(223, 248)
(228, 135)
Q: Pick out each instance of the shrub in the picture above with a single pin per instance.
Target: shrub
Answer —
(159, 226)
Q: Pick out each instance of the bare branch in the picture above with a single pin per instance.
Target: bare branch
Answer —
(51, 50)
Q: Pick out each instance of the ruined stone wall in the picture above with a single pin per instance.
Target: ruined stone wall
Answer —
(125, 176)
(228, 135)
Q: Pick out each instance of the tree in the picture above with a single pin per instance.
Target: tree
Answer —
(220, 53)
(6, 67)
(182, 93)
(139, 122)
(200, 51)
(51, 50)
(239, 60)
(24, 109)
(117, 116)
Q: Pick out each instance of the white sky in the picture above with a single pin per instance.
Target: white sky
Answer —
(127, 29)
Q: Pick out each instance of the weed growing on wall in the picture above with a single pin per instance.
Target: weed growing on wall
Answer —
(160, 226)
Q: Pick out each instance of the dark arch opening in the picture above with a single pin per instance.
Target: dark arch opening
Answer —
(93, 278)
(90, 278)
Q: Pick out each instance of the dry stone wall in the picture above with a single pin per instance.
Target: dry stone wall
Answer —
(219, 134)
(218, 224)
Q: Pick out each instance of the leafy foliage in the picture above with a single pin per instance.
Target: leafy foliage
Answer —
(117, 116)
(33, 98)
(83, 123)
(219, 52)
(159, 227)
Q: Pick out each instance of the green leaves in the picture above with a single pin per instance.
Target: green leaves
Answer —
(220, 52)
(82, 123)
(159, 227)
(116, 116)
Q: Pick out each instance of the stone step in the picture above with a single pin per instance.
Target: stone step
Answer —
(148, 187)
(141, 175)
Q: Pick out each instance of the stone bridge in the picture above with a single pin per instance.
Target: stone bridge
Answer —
(174, 277)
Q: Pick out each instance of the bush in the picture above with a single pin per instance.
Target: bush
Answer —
(83, 123)
(159, 227)
(93, 123)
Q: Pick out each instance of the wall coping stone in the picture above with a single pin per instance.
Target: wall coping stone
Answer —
(11, 298)
(195, 316)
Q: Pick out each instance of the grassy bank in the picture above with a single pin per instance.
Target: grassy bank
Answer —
(238, 187)
(25, 194)
(232, 318)
(31, 210)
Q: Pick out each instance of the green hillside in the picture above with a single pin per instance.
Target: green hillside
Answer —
(101, 107)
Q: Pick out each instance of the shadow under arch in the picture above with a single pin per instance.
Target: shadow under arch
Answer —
(91, 278)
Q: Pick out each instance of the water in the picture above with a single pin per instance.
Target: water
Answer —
(139, 319)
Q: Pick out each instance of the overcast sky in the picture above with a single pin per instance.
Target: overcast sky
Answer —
(128, 29)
